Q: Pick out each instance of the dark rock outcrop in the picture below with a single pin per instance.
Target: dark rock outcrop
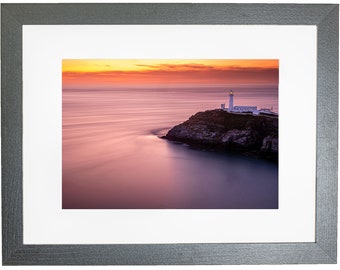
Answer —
(219, 130)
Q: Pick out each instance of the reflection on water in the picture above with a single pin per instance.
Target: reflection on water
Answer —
(114, 159)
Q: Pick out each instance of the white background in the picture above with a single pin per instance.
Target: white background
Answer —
(44, 220)
(227, 267)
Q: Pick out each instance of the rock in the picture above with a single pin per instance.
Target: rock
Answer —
(270, 144)
(243, 138)
(222, 131)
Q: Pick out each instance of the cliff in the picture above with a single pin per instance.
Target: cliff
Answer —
(218, 130)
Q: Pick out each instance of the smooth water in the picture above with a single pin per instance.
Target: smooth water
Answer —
(113, 157)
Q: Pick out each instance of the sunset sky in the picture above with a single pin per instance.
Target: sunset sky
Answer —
(103, 73)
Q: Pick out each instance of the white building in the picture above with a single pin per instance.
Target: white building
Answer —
(239, 109)
(231, 101)
(244, 109)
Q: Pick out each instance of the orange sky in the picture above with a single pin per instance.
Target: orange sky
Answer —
(188, 72)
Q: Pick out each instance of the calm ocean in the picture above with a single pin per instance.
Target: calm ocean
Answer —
(113, 157)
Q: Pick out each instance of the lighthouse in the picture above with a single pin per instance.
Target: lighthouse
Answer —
(231, 101)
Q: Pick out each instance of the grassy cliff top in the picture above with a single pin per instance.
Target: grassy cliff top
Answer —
(226, 121)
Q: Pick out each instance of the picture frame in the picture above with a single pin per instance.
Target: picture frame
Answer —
(322, 251)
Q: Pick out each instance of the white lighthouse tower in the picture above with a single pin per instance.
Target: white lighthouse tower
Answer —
(231, 101)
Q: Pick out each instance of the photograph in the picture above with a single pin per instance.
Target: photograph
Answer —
(170, 133)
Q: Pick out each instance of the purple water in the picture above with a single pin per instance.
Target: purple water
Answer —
(113, 157)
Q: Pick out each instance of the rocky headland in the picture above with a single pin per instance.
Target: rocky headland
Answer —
(218, 130)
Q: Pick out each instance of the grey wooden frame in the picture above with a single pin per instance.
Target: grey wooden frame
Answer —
(324, 250)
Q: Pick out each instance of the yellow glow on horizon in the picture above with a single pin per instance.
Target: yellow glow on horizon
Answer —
(100, 65)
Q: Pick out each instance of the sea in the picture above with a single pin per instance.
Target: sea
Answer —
(113, 156)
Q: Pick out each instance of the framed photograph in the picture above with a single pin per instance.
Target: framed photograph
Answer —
(149, 134)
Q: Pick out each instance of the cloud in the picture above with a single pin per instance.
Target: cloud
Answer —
(190, 73)
(177, 67)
